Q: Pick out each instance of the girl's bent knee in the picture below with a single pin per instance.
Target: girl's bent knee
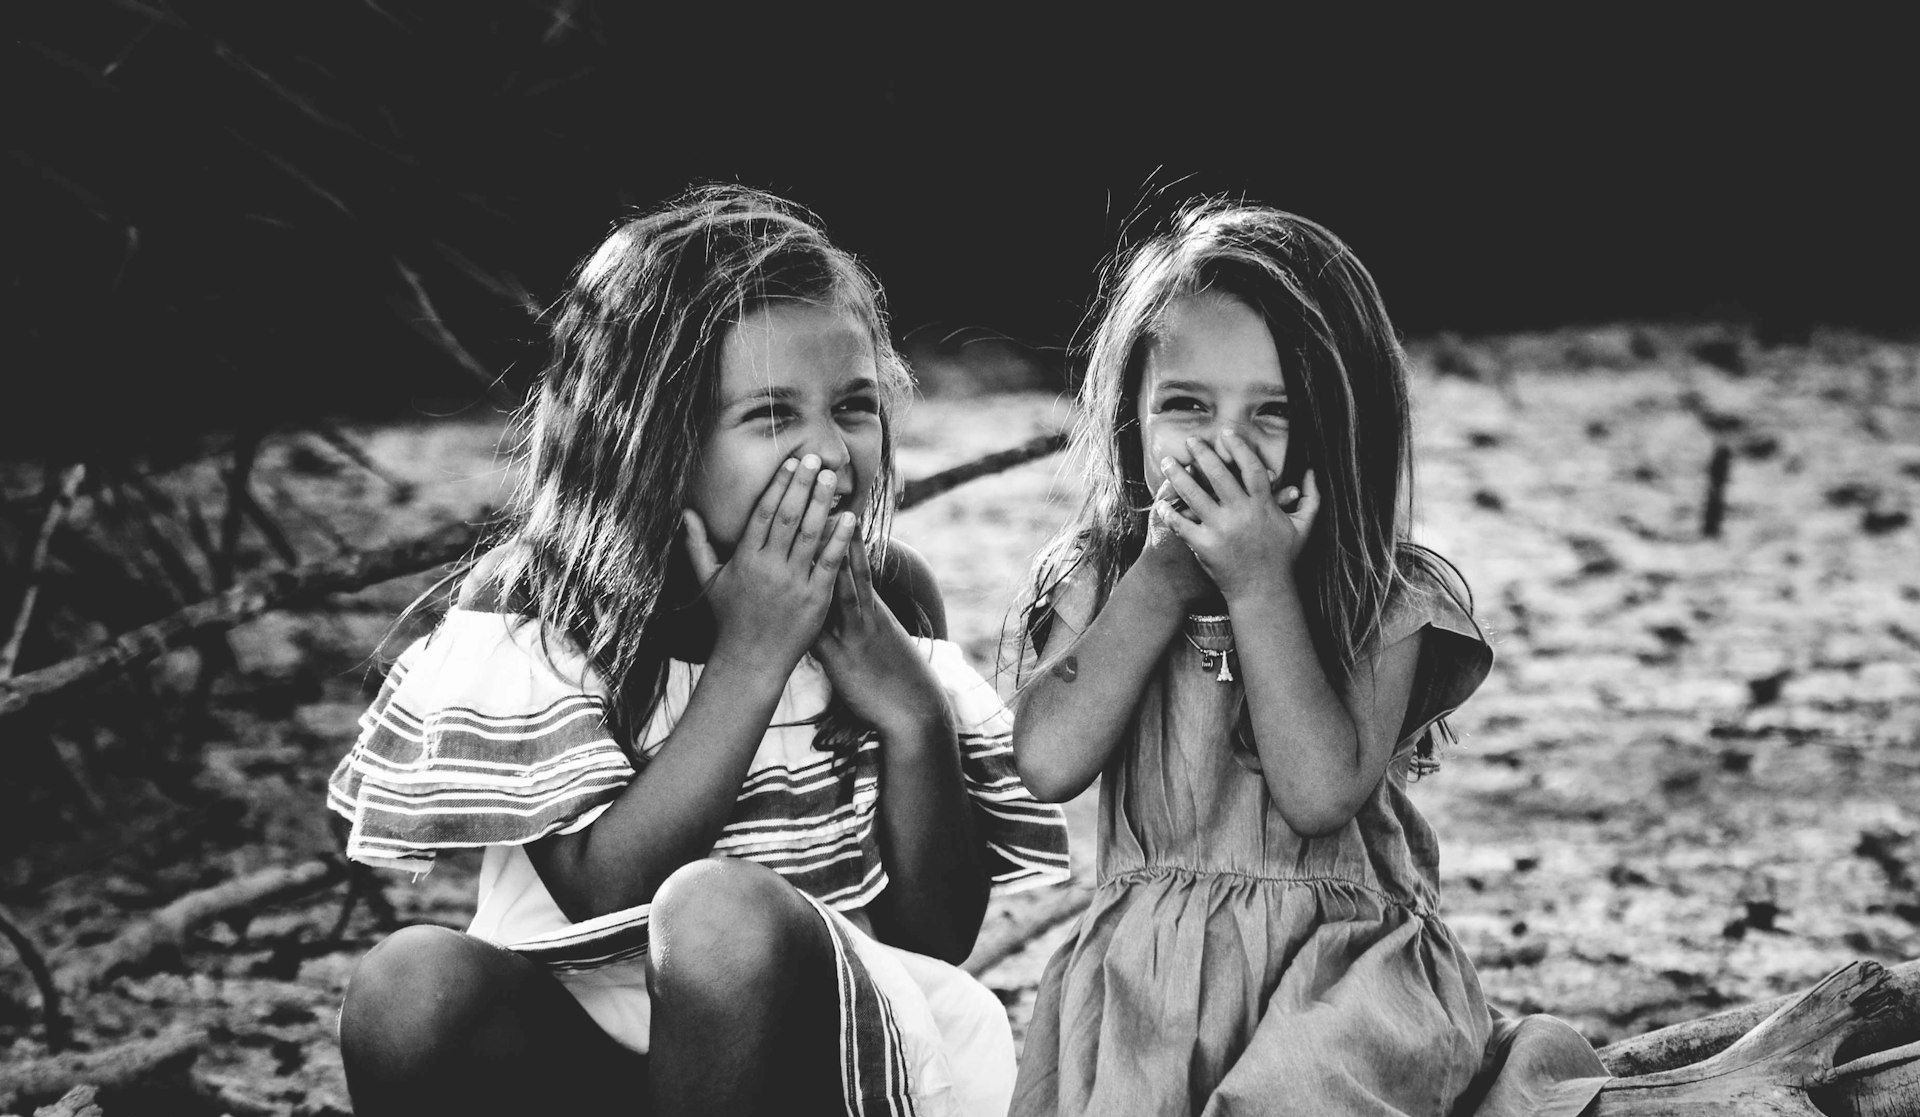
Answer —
(415, 993)
(723, 927)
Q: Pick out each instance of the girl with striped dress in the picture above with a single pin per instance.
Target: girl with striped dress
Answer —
(740, 802)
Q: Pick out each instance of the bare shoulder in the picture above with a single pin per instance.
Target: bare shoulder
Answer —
(906, 583)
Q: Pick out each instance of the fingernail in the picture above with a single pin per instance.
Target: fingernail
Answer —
(811, 461)
(790, 465)
(825, 478)
(1168, 465)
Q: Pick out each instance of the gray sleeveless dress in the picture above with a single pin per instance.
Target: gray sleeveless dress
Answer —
(1227, 965)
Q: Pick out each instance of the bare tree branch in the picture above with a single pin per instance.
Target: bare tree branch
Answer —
(58, 1034)
(61, 492)
(170, 925)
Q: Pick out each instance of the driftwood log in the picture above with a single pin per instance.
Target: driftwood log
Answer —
(1789, 1064)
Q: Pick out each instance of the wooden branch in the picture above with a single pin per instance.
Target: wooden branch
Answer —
(81, 1101)
(129, 1064)
(1771, 1069)
(1694, 1040)
(61, 493)
(926, 488)
(170, 925)
(348, 447)
(58, 1033)
(1714, 510)
(1884, 1084)
(1007, 938)
(252, 596)
(226, 562)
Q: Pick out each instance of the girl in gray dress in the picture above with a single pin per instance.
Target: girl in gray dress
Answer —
(1238, 637)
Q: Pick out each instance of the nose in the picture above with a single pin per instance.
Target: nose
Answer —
(833, 452)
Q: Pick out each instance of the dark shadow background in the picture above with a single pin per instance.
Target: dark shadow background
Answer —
(228, 213)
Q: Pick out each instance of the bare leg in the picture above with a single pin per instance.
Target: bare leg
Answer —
(745, 1000)
(440, 1022)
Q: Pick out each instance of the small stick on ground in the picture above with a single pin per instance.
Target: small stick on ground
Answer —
(61, 491)
(58, 1033)
(170, 925)
(1715, 510)
(348, 447)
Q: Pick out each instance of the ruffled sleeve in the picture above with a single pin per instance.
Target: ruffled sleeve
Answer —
(1455, 657)
(1026, 839)
(483, 734)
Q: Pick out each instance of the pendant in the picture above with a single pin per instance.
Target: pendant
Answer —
(1207, 657)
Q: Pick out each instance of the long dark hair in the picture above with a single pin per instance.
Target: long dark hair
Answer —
(612, 438)
(1346, 378)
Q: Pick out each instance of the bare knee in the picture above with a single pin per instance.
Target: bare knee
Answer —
(413, 997)
(729, 929)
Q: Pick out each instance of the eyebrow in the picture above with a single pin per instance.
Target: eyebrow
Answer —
(1196, 387)
(784, 394)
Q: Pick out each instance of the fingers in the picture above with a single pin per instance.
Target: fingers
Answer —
(833, 553)
(793, 503)
(813, 521)
(1189, 491)
(699, 550)
(1252, 467)
(1169, 502)
(766, 512)
(1219, 475)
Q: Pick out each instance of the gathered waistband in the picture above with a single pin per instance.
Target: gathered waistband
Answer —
(1139, 873)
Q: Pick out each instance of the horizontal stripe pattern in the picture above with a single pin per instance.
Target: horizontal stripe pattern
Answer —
(483, 734)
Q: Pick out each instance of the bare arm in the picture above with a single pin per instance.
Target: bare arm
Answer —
(769, 601)
(1322, 751)
(937, 887)
(1075, 713)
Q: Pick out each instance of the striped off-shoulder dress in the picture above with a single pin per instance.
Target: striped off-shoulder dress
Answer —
(491, 732)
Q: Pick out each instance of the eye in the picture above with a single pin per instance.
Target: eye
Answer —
(775, 415)
(859, 405)
(1278, 409)
(1180, 403)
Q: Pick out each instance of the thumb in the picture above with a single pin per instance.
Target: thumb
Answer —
(699, 551)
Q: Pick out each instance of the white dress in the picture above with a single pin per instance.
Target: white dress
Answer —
(488, 735)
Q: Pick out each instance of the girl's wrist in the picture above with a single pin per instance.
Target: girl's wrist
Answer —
(750, 656)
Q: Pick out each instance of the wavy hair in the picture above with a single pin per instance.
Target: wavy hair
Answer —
(612, 438)
(1345, 375)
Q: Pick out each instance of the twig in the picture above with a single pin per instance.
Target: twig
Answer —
(170, 925)
(346, 446)
(61, 493)
(226, 561)
(1718, 467)
(250, 597)
(58, 1033)
(926, 488)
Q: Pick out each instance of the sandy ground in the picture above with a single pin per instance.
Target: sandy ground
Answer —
(1690, 782)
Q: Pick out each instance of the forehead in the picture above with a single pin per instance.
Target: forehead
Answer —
(793, 345)
(1215, 339)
